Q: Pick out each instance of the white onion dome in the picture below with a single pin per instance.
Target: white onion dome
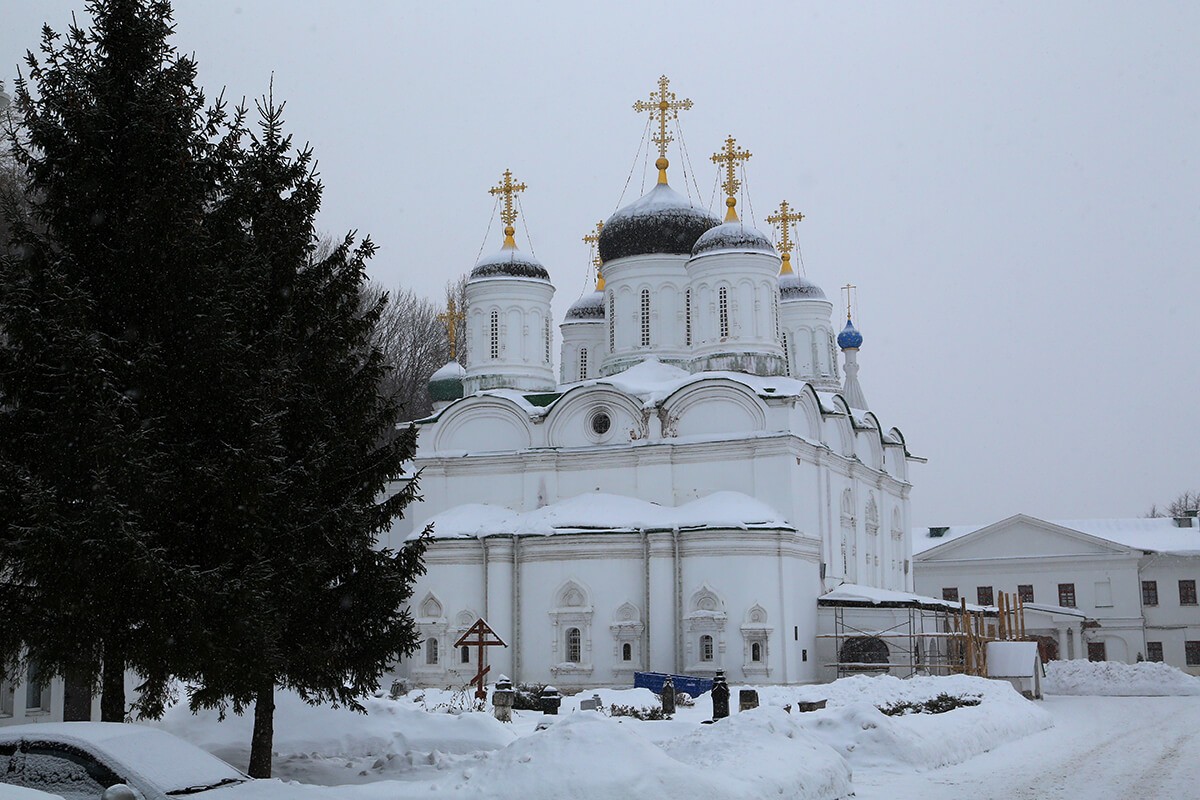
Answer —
(662, 221)
(447, 383)
(797, 287)
(733, 236)
(588, 308)
(510, 263)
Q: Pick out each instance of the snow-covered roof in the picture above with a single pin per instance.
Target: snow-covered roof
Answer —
(859, 594)
(1157, 534)
(605, 512)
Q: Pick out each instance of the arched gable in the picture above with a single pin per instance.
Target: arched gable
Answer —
(573, 422)
(430, 608)
(572, 596)
(713, 406)
(486, 423)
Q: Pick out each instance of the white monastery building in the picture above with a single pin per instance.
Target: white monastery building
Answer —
(1130, 582)
(680, 491)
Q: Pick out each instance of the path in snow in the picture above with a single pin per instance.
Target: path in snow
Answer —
(1101, 748)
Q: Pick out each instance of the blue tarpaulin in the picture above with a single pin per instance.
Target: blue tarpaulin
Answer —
(683, 683)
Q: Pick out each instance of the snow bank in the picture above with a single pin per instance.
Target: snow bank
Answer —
(1111, 678)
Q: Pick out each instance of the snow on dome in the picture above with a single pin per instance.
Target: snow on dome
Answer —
(589, 308)
(509, 263)
(452, 370)
(733, 236)
(606, 512)
(662, 221)
(849, 338)
(797, 287)
(447, 383)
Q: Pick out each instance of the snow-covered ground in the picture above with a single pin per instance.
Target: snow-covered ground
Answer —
(1113, 679)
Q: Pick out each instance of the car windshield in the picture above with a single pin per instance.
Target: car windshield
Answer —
(169, 763)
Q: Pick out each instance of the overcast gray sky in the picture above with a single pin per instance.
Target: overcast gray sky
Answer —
(1014, 188)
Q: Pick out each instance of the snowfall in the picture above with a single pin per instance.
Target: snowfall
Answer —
(1104, 731)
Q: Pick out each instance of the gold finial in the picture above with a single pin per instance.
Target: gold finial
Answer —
(593, 239)
(662, 106)
(784, 220)
(731, 157)
(452, 317)
(848, 289)
(509, 215)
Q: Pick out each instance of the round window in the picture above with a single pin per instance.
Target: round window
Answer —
(601, 422)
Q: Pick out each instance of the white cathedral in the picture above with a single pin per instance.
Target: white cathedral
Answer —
(679, 495)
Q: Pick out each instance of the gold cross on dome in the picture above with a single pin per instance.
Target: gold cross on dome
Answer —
(593, 239)
(662, 107)
(731, 157)
(508, 215)
(848, 289)
(452, 317)
(784, 220)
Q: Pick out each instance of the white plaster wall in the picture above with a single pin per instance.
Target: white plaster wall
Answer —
(523, 306)
(1170, 622)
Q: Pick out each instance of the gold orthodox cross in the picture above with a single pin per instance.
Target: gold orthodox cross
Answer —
(508, 215)
(593, 239)
(848, 289)
(662, 107)
(731, 157)
(784, 220)
(452, 317)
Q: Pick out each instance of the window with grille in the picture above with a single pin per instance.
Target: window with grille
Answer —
(645, 317)
(985, 596)
(1066, 596)
(583, 363)
(1191, 653)
(1187, 593)
(573, 642)
(1154, 651)
(787, 356)
(687, 317)
(431, 651)
(756, 652)
(627, 652)
(1149, 593)
(464, 654)
(494, 334)
(1097, 651)
(723, 306)
(706, 648)
(612, 324)
(1025, 592)
(548, 335)
(950, 593)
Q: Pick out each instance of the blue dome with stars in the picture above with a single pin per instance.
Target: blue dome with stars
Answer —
(849, 337)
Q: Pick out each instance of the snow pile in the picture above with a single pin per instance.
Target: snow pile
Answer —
(1114, 679)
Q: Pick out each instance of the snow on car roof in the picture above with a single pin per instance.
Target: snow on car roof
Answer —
(162, 759)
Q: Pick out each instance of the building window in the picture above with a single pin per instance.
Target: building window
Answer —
(1025, 592)
(723, 304)
(787, 357)
(627, 652)
(494, 334)
(706, 648)
(1154, 651)
(612, 324)
(583, 364)
(645, 317)
(548, 338)
(36, 696)
(950, 594)
(1066, 596)
(573, 642)
(464, 654)
(985, 596)
(1187, 593)
(869, 651)
(1096, 651)
(1191, 653)
(431, 651)
(756, 652)
(687, 317)
(1150, 596)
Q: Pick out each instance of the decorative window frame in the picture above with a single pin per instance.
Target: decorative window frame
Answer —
(572, 609)
(707, 616)
(627, 628)
(755, 630)
(431, 624)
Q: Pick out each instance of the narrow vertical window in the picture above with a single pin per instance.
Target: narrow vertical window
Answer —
(431, 651)
(494, 334)
(627, 652)
(547, 332)
(787, 358)
(612, 324)
(706, 648)
(583, 363)
(464, 654)
(645, 317)
(723, 304)
(756, 652)
(573, 642)
(687, 317)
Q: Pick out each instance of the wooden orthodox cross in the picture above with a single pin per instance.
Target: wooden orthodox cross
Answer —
(452, 317)
(480, 635)
(662, 107)
(728, 159)
(784, 220)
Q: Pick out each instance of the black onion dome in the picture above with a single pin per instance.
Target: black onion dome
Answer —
(733, 236)
(587, 308)
(509, 263)
(797, 287)
(663, 221)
